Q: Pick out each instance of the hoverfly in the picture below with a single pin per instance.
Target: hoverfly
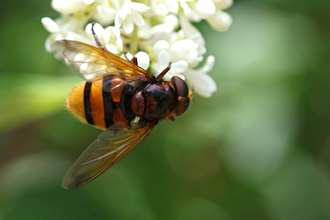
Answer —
(119, 97)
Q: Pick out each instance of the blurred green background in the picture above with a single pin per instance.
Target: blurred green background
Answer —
(258, 149)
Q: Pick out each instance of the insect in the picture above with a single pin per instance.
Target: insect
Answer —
(121, 98)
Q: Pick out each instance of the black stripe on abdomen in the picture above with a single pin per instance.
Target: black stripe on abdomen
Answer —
(107, 101)
(87, 103)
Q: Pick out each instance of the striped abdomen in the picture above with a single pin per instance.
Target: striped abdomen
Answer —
(100, 102)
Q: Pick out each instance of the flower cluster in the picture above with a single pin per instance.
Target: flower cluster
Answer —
(155, 31)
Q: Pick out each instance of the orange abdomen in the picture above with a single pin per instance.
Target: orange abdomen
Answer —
(98, 102)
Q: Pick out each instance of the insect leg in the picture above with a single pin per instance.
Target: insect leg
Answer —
(162, 74)
(97, 40)
(133, 60)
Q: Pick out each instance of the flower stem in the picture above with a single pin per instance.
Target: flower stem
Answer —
(134, 41)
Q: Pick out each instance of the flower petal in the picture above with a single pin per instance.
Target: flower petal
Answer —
(113, 30)
(163, 60)
(220, 21)
(206, 86)
(174, 6)
(67, 6)
(89, 2)
(98, 29)
(184, 45)
(223, 4)
(202, 83)
(50, 39)
(161, 10)
(50, 25)
(129, 56)
(106, 36)
(172, 20)
(124, 11)
(208, 64)
(118, 21)
(160, 45)
(204, 8)
(179, 67)
(189, 13)
(106, 13)
(128, 26)
(192, 33)
(137, 18)
(143, 59)
(116, 4)
(112, 48)
(140, 7)
(119, 42)
(161, 28)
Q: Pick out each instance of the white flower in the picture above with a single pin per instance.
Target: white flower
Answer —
(223, 4)
(220, 20)
(180, 50)
(200, 82)
(158, 32)
(190, 32)
(177, 68)
(151, 35)
(204, 8)
(110, 37)
(189, 12)
(143, 59)
(159, 7)
(105, 15)
(64, 28)
(172, 20)
(68, 6)
(210, 10)
(50, 25)
(129, 13)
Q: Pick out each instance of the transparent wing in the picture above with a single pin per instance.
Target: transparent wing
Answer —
(104, 152)
(90, 62)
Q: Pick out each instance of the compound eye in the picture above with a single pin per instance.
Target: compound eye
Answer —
(182, 90)
(180, 86)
